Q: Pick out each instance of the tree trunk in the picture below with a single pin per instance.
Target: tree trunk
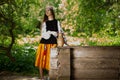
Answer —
(12, 42)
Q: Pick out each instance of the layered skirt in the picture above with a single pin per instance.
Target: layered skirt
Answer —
(43, 56)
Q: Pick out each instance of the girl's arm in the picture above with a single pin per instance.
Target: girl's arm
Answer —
(60, 30)
(44, 33)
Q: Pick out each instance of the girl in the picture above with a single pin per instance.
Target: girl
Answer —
(50, 29)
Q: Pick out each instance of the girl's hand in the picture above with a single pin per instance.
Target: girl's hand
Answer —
(53, 33)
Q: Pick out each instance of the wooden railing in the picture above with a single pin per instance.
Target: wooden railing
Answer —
(85, 63)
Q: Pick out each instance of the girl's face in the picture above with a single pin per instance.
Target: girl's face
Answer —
(48, 12)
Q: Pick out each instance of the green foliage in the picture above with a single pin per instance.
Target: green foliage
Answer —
(78, 17)
(25, 58)
(17, 17)
(107, 41)
(93, 16)
(101, 17)
(81, 18)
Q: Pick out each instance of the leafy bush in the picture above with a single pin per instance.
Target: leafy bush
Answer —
(103, 41)
(24, 60)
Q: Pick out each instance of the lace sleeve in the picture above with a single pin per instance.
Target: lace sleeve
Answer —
(44, 33)
(60, 30)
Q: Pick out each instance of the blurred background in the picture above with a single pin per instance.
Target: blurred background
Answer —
(85, 22)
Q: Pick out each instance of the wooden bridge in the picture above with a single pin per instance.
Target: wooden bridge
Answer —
(85, 63)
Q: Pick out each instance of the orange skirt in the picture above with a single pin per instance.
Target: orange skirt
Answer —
(43, 56)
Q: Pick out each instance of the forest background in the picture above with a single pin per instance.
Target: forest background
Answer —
(86, 22)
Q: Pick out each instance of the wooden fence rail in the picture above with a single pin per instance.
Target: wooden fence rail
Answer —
(85, 63)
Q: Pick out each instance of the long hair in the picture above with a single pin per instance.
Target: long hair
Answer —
(46, 17)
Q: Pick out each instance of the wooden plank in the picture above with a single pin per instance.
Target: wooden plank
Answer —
(64, 57)
(53, 53)
(64, 78)
(53, 63)
(96, 53)
(64, 69)
(119, 69)
(89, 63)
(92, 47)
(53, 74)
(91, 79)
(96, 63)
(95, 73)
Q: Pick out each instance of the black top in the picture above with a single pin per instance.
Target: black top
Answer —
(51, 25)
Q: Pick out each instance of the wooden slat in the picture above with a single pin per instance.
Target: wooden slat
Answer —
(89, 63)
(53, 73)
(91, 79)
(53, 63)
(53, 53)
(95, 74)
(96, 53)
(63, 78)
(64, 69)
(64, 56)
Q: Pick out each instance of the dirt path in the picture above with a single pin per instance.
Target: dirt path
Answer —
(15, 76)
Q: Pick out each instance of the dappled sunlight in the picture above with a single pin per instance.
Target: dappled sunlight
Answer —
(28, 39)
(72, 41)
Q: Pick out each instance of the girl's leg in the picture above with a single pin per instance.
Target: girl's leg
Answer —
(41, 73)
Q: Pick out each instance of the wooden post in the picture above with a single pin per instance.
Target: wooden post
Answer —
(53, 73)
(64, 70)
(119, 69)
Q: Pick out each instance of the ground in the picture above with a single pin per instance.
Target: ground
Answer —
(5, 75)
